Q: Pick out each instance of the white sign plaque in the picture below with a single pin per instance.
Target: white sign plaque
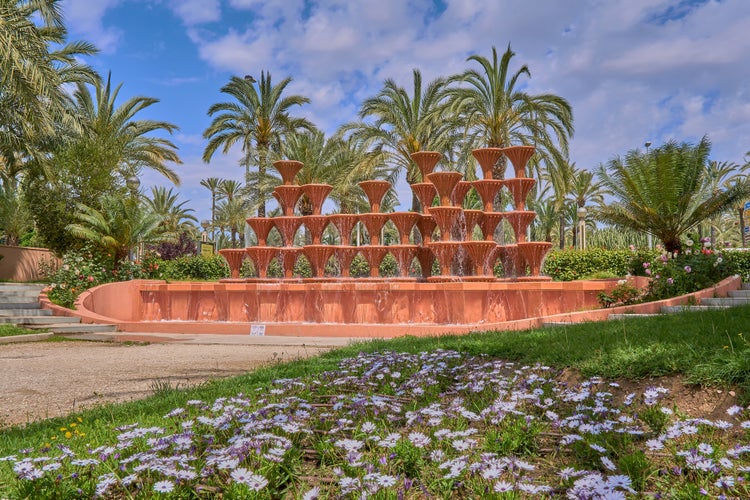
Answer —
(257, 330)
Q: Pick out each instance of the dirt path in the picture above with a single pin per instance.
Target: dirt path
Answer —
(47, 379)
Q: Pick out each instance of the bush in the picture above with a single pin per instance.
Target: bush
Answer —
(84, 269)
(685, 273)
(194, 267)
(621, 295)
(568, 265)
(738, 262)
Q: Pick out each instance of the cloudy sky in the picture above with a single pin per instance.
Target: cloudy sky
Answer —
(633, 70)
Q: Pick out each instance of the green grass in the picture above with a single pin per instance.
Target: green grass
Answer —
(13, 330)
(708, 347)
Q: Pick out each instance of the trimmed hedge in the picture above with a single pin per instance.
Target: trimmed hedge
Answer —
(569, 265)
(738, 262)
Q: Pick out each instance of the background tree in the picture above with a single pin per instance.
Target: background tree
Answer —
(405, 124)
(175, 217)
(665, 192)
(119, 226)
(497, 113)
(257, 119)
(212, 184)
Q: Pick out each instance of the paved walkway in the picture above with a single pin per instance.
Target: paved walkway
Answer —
(212, 338)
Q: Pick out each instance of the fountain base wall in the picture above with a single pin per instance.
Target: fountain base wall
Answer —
(352, 308)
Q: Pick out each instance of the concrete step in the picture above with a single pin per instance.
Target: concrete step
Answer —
(725, 301)
(746, 286)
(11, 287)
(19, 305)
(558, 323)
(18, 297)
(744, 293)
(630, 316)
(74, 328)
(686, 308)
(9, 313)
(24, 321)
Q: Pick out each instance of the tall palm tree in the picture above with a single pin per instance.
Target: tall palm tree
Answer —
(212, 184)
(718, 175)
(124, 143)
(258, 119)
(497, 113)
(559, 176)
(404, 124)
(665, 192)
(119, 226)
(175, 216)
(36, 64)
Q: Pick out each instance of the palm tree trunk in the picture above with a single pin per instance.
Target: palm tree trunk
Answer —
(743, 238)
(562, 231)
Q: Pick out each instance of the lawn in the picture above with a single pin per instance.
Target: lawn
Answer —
(484, 415)
(13, 330)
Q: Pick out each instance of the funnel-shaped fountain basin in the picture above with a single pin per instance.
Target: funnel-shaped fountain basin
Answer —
(487, 190)
(534, 252)
(460, 192)
(487, 157)
(489, 224)
(510, 259)
(445, 218)
(345, 255)
(445, 252)
(288, 259)
(519, 221)
(261, 257)
(288, 226)
(426, 161)
(479, 251)
(318, 256)
(287, 196)
(444, 183)
(317, 194)
(425, 193)
(375, 190)
(519, 188)
(374, 223)
(426, 226)
(288, 169)
(403, 254)
(234, 257)
(426, 259)
(519, 156)
(345, 223)
(374, 254)
(316, 224)
(404, 222)
(472, 217)
(261, 226)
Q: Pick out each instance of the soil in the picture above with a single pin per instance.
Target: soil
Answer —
(40, 380)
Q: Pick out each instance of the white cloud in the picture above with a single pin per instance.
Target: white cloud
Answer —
(85, 17)
(196, 11)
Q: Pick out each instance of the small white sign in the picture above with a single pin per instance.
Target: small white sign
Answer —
(257, 330)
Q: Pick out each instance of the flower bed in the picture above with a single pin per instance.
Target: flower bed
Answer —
(395, 425)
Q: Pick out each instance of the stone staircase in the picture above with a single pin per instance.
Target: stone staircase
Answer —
(19, 305)
(735, 298)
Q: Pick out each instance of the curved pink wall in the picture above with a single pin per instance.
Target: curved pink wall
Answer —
(352, 309)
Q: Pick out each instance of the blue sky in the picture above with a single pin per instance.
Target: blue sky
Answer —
(633, 70)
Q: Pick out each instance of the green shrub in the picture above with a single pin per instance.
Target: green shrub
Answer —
(685, 273)
(84, 269)
(568, 265)
(738, 262)
(188, 268)
(621, 295)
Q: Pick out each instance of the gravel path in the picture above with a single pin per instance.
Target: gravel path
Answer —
(48, 379)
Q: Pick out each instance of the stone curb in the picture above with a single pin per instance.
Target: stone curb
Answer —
(31, 337)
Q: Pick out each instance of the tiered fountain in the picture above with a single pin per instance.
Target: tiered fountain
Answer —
(463, 295)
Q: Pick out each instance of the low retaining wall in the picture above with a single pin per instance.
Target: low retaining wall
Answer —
(368, 310)
(22, 263)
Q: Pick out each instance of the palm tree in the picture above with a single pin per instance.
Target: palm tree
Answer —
(721, 174)
(497, 113)
(36, 62)
(560, 175)
(665, 192)
(231, 214)
(175, 216)
(212, 184)
(120, 225)
(15, 219)
(406, 124)
(257, 119)
(121, 142)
